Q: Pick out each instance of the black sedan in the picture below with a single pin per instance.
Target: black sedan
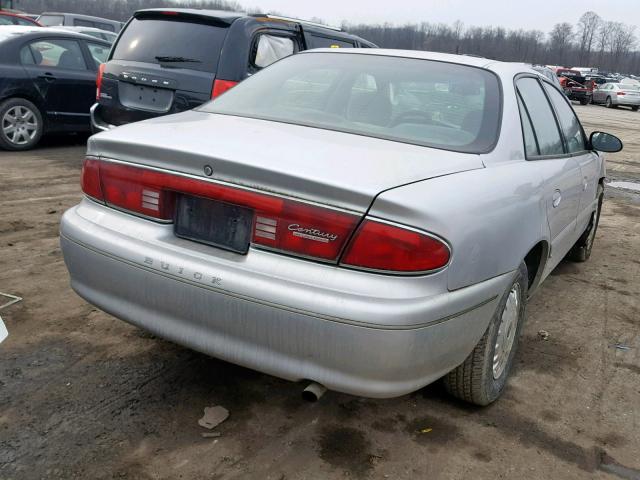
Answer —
(47, 83)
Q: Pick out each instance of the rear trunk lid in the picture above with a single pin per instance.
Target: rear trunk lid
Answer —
(147, 76)
(332, 168)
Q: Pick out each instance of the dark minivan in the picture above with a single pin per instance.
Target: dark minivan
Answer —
(168, 61)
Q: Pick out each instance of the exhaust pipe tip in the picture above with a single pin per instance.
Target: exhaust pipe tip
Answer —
(313, 392)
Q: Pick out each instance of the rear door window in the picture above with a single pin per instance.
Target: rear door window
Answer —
(569, 123)
(98, 52)
(542, 117)
(56, 53)
(78, 22)
(270, 48)
(6, 20)
(22, 21)
(105, 26)
(176, 42)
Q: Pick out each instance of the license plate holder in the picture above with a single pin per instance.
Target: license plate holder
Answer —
(213, 223)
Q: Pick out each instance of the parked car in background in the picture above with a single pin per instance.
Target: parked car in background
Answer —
(94, 32)
(47, 83)
(370, 220)
(9, 18)
(614, 95)
(548, 74)
(575, 85)
(55, 19)
(184, 57)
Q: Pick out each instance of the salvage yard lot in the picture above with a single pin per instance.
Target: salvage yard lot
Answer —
(83, 395)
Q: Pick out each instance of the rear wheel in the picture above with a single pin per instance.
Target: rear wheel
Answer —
(634, 108)
(581, 251)
(20, 124)
(483, 375)
(608, 103)
(585, 101)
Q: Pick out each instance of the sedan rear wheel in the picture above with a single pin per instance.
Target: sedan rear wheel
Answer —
(483, 375)
(608, 103)
(20, 124)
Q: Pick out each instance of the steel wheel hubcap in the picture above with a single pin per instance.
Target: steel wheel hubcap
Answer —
(19, 125)
(506, 331)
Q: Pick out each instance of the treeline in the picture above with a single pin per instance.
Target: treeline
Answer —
(592, 42)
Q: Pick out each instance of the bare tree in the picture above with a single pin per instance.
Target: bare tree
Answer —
(560, 39)
(587, 28)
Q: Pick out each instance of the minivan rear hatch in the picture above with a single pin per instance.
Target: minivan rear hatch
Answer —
(164, 62)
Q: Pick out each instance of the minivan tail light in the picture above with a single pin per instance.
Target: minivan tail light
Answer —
(99, 80)
(221, 86)
(386, 247)
(281, 224)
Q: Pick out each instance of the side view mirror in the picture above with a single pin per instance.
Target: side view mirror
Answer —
(605, 142)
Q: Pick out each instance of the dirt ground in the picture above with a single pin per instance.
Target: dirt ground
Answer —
(84, 395)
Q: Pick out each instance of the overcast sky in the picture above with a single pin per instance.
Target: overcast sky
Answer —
(528, 14)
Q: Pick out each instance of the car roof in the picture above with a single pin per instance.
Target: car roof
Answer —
(80, 15)
(10, 32)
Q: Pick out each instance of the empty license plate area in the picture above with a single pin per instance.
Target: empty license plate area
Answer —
(145, 98)
(214, 223)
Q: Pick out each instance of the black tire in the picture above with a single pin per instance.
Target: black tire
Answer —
(29, 132)
(584, 101)
(634, 108)
(581, 251)
(608, 103)
(474, 381)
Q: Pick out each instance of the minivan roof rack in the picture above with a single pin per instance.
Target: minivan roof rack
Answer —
(304, 22)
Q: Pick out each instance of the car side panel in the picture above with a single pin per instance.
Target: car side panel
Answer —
(491, 217)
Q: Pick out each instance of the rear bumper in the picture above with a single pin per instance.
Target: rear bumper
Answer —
(97, 123)
(365, 340)
(627, 102)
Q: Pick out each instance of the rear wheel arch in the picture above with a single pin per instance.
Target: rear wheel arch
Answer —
(535, 259)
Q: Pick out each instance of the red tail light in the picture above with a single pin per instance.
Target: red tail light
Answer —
(385, 247)
(99, 80)
(221, 86)
(279, 223)
(621, 93)
(90, 179)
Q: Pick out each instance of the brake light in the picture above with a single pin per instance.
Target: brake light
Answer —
(169, 13)
(621, 93)
(99, 80)
(221, 86)
(385, 247)
(279, 223)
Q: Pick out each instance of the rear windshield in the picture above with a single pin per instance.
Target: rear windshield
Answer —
(437, 104)
(51, 20)
(174, 43)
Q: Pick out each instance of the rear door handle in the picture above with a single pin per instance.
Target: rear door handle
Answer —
(557, 198)
(49, 77)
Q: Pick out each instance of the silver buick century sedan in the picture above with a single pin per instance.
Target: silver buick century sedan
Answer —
(365, 220)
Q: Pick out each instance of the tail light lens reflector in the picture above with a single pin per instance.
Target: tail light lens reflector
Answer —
(391, 248)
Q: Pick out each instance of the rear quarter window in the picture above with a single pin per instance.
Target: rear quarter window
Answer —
(146, 39)
(51, 20)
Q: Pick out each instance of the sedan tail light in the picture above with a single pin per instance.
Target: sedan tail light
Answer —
(621, 93)
(221, 86)
(385, 247)
(99, 80)
(281, 224)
